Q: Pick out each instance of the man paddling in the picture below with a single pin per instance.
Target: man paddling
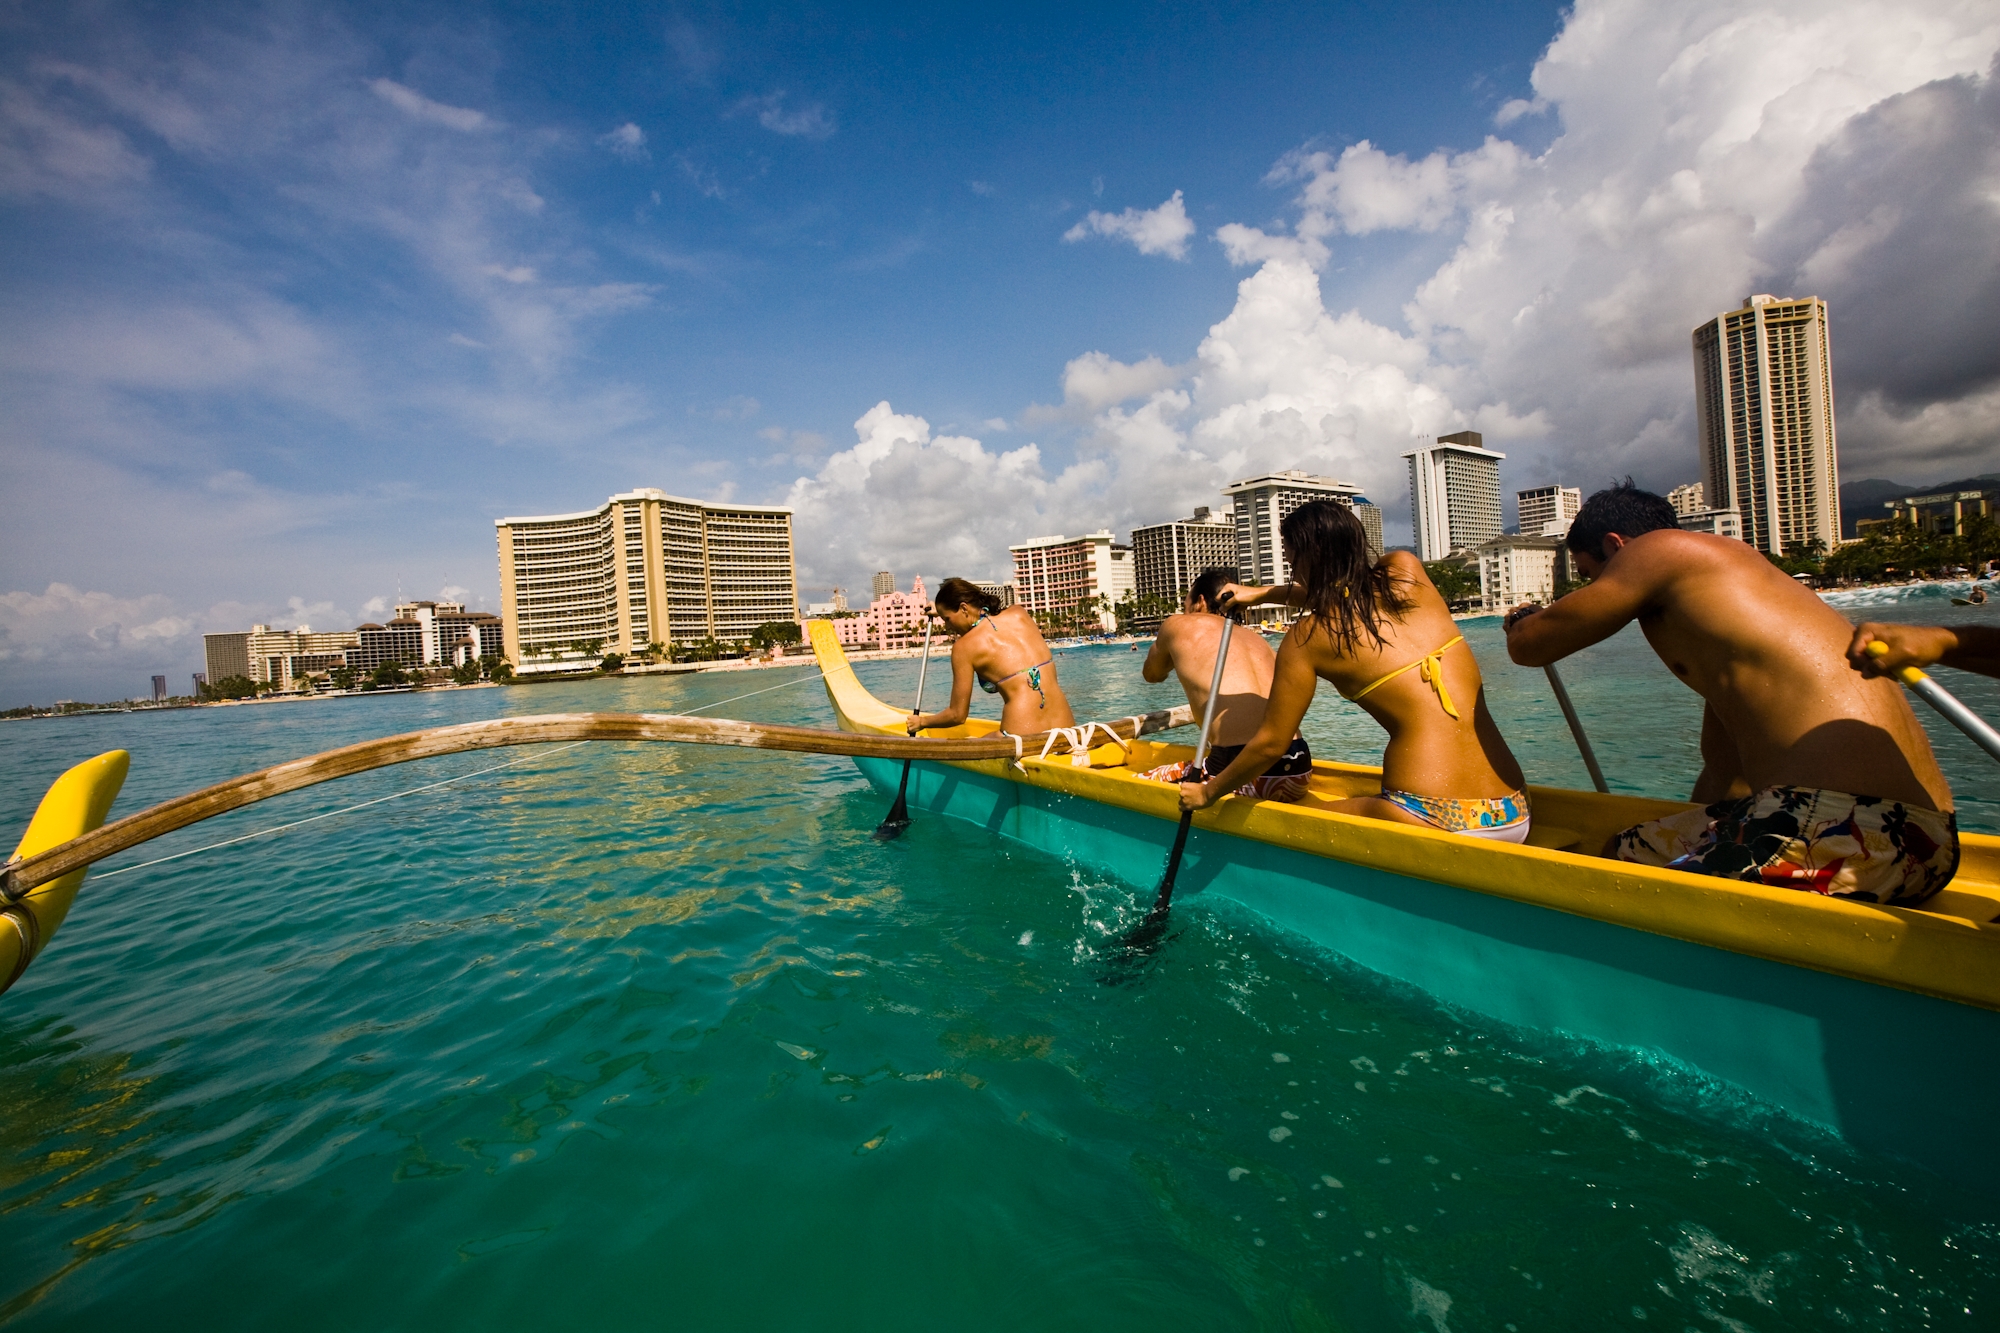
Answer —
(1186, 647)
(1814, 777)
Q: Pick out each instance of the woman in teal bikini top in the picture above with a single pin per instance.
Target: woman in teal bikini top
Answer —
(1009, 635)
(1033, 673)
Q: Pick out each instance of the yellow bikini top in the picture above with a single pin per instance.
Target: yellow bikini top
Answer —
(1433, 666)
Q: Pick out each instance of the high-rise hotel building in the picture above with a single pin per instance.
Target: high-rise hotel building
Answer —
(1454, 494)
(1260, 505)
(1763, 379)
(643, 567)
(1168, 557)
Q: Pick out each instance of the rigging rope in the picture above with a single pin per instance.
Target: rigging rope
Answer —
(345, 810)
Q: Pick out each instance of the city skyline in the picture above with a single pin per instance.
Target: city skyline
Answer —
(301, 302)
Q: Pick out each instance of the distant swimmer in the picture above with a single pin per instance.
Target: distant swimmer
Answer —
(1379, 632)
(1813, 776)
(1004, 652)
(1186, 647)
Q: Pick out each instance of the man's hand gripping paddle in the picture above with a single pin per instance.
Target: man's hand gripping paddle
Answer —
(1938, 697)
(898, 818)
(1146, 936)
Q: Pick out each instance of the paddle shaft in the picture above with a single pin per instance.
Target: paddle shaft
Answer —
(1173, 869)
(898, 817)
(1946, 703)
(1576, 729)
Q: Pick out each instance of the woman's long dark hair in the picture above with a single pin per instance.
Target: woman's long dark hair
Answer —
(954, 593)
(1347, 593)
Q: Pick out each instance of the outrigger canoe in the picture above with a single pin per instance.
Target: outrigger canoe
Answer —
(1879, 1023)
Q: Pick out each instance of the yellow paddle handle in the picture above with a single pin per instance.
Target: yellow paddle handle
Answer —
(1909, 675)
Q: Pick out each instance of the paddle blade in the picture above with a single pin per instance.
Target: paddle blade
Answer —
(1144, 939)
(898, 818)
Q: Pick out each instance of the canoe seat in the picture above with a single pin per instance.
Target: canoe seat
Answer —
(1554, 837)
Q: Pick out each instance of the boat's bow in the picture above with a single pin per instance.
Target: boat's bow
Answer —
(76, 803)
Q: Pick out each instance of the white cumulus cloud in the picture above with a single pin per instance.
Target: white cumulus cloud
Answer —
(413, 103)
(1848, 149)
(1165, 230)
(627, 141)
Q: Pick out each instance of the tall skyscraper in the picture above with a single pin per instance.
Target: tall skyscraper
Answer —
(1260, 504)
(159, 689)
(883, 583)
(643, 567)
(1454, 494)
(1541, 506)
(1169, 556)
(1763, 379)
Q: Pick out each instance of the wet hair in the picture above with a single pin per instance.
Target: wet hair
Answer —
(1209, 584)
(954, 593)
(1623, 509)
(1347, 592)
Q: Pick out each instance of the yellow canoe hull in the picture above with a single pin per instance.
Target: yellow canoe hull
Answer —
(76, 803)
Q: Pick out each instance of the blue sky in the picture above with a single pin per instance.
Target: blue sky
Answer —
(303, 297)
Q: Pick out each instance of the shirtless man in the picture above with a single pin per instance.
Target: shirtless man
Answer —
(1186, 646)
(1814, 777)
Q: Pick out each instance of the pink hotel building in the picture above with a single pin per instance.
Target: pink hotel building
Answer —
(893, 620)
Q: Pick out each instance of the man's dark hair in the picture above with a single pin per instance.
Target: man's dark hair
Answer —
(1623, 509)
(1209, 584)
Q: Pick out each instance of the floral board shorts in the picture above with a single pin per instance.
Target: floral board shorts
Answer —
(1284, 780)
(1858, 847)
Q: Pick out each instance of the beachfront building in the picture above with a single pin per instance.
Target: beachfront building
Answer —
(1004, 591)
(1454, 494)
(1258, 505)
(1168, 557)
(1763, 378)
(1516, 568)
(893, 620)
(1945, 512)
(284, 657)
(642, 567)
(1686, 499)
(1547, 511)
(1721, 522)
(226, 655)
(882, 584)
(1055, 576)
(398, 643)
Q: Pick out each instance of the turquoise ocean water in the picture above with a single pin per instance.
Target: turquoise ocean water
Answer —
(644, 1036)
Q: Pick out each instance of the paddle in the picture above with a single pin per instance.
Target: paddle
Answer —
(1145, 937)
(898, 818)
(1576, 730)
(1938, 697)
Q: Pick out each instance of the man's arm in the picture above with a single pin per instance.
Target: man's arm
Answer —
(1590, 614)
(1721, 766)
(1160, 657)
(1973, 648)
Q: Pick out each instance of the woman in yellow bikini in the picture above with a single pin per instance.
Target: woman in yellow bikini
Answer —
(1381, 634)
(1005, 653)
